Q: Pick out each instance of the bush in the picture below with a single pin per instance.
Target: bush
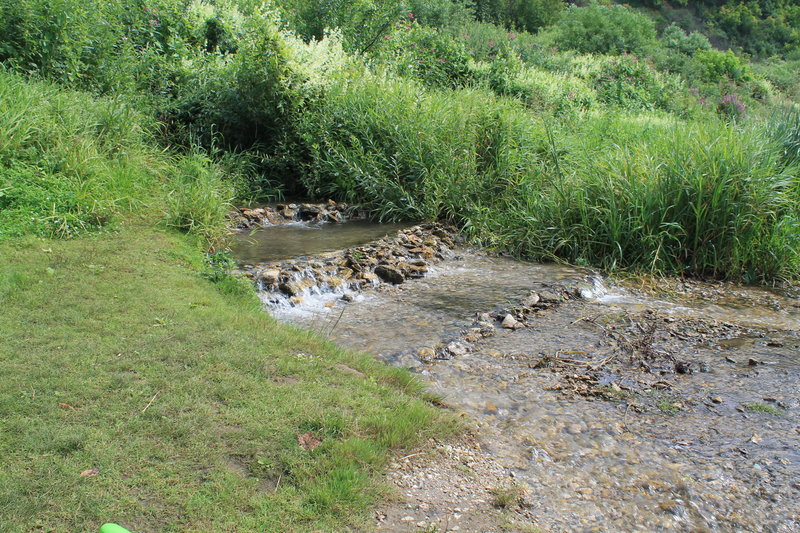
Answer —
(427, 54)
(677, 40)
(198, 199)
(597, 29)
(716, 66)
(523, 15)
(440, 13)
(362, 23)
(103, 46)
(538, 89)
(707, 201)
(634, 83)
(484, 40)
(406, 153)
(731, 106)
(69, 163)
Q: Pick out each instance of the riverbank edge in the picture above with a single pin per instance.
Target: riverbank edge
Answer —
(137, 391)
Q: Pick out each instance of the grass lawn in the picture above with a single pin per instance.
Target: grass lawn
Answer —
(134, 390)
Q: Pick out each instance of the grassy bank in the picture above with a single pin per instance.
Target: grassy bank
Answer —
(137, 383)
(116, 355)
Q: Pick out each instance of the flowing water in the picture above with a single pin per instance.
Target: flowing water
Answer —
(711, 448)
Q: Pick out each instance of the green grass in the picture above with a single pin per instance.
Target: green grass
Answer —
(761, 407)
(116, 354)
(71, 164)
(127, 352)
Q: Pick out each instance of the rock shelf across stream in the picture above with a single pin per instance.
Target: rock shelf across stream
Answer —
(346, 273)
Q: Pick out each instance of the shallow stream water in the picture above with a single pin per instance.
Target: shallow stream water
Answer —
(714, 448)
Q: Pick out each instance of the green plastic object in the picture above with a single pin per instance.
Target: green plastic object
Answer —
(113, 528)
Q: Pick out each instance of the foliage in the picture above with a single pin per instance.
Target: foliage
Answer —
(600, 29)
(427, 54)
(634, 83)
(709, 201)
(716, 65)
(674, 38)
(522, 15)
(731, 106)
(484, 40)
(69, 163)
(761, 27)
(538, 89)
(784, 128)
(198, 199)
(404, 153)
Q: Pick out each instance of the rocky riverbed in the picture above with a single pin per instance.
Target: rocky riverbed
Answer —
(672, 407)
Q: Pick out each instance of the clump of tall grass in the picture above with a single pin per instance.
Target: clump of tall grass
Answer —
(784, 128)
(71, 163)
(68, 162)
(410, 153)
(708, 200)
(198, 198)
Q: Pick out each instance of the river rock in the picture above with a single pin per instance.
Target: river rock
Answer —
(454, 349)
(531, 300)
(426, 354)
(509, 322)
(550, 297)
(309, 212)
(389, 274)
(269, 276)
(288, 289)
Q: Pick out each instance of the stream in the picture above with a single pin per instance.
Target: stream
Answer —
(618, 409)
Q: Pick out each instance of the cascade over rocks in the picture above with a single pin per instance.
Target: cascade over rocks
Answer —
(391, 260)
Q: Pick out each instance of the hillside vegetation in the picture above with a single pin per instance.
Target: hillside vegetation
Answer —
(608, 137)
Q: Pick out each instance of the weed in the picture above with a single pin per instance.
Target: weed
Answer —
(509, 496)
(760, 407)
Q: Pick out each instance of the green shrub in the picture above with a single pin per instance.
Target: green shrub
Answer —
(731, 106)
(198, 199)
(440, 13)
(598, 29)
(362, 23)
(707, 201)
(633, 83)
(427, 54)
(69, 163)
(674, 38)
(484, 40)
(523, 15)
(101, 46)
(784, 129)
(538, 89)
(716, 66)
(783, 75)
(406, 153)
